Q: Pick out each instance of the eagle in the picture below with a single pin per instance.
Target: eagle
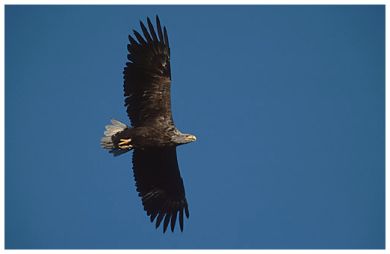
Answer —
(152, 136)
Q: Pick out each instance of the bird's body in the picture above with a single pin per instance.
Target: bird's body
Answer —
(153, 135)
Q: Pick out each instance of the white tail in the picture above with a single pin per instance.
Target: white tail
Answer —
(111, 130)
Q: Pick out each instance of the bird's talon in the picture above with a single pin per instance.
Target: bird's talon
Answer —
(125, 143)
(125, 147)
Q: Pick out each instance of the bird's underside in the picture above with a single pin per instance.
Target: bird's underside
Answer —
(152, 137)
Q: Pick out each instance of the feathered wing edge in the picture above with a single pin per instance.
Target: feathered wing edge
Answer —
(160, 186)
(157, 42)
(147, 75)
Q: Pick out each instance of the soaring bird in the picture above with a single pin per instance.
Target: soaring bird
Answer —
(152, 136)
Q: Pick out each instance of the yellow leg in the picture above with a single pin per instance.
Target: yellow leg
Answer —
(125, 143)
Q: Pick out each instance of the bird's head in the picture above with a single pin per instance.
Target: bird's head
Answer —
(183, 138)
(189, 138)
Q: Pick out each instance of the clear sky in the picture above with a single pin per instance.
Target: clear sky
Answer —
(287, 103)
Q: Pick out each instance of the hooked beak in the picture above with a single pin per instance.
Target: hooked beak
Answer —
(190, 138)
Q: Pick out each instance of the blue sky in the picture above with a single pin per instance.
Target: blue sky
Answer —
(287, 103)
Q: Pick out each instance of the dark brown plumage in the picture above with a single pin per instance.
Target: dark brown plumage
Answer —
(153, 135)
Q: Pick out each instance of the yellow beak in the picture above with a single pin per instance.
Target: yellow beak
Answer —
(190, 138)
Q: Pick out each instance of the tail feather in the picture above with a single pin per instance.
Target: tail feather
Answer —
(112, 129)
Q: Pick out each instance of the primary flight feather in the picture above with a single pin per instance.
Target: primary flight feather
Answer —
(152, 136)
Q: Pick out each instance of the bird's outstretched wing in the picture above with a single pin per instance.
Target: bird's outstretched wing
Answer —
(160, 185)
(147, 76)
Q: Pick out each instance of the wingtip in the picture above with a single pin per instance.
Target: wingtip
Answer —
(166, 221)
(148, 21)
(173, 220)
(187, 212)
(159, 219)
(153, 216)
(181, 222)
(166, 41)
(159, 31)
(142, 25)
